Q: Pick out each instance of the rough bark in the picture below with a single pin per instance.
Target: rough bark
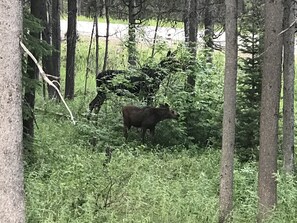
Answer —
(228, 140)
(12, 196)
(269, 114)
(289, 78)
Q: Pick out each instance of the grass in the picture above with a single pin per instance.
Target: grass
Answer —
(69, 177)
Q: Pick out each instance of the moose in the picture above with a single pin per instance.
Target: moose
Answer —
(146, 118)
(145, 83)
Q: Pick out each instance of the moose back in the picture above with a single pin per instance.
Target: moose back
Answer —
(146, 118)
(145, 84)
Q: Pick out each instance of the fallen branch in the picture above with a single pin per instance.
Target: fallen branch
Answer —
(45, 78)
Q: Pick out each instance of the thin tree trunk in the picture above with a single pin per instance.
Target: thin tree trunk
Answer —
(97, 42)
(132, 33)
(271, 85)
(56, 55)
(107, 2)
(71, 45)
(289, 80)
(88, 58)
(155, 35)
(192, 30)
(46, 36)
(29, 96)
(12, 195)
(228, 140)
(208, 31)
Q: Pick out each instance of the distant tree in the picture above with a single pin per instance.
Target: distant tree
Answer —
(45, 16)
(191, 31)
(132, 17)
(71, 45)
(228, 140)
(289, 80)
(12, 195)
(249, 81)
(107, 19)
(208, 29)
(269, 115)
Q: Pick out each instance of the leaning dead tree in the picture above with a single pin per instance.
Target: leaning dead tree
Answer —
(46, 79)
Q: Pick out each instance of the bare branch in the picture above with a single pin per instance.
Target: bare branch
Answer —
(45, 78)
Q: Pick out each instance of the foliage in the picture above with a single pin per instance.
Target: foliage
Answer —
(249, 81)
(73, 181)
(88, 173)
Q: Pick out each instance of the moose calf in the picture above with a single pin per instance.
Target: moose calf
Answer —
(146, 118)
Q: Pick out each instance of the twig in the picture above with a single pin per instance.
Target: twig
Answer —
(45, 78)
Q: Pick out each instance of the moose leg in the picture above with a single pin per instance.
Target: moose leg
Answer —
(143, 134)
(126, 128)
(152, 132)
(97, 102)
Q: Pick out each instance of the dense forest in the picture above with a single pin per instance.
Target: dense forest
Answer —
(147, 111)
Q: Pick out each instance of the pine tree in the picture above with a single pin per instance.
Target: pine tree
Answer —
(249, 80)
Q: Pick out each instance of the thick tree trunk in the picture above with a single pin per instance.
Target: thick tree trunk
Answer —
(289, 79)
(271, 83)
(12, 195)
(71, 45)
(228, 140)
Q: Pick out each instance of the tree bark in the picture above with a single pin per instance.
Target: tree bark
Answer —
(269, 114)
(289, 80)
(107, 3)
(208, 30)
(56, 42)
(191, 27)
(71, 45)
(132, 33)
(12, 195)
(228, 140)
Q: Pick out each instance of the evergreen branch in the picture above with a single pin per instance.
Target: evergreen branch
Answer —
(45, 78)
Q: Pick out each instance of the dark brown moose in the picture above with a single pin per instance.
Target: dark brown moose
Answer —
(146, 117)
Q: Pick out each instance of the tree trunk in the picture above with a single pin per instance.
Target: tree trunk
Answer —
(132, 33)
(71, 44)
(107, 3)
(289, 80)
(56, 42)
(271, 83)
(191, 21)
(46, 36)
(32, 74)
(12, 195)
(208, 31)
(228, 140)
(97, 41)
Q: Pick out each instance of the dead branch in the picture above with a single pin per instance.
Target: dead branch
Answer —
(45, 78)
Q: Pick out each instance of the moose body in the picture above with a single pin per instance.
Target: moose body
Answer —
(146, 118)
(146, 83)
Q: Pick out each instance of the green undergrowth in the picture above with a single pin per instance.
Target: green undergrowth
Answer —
(70, 178)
